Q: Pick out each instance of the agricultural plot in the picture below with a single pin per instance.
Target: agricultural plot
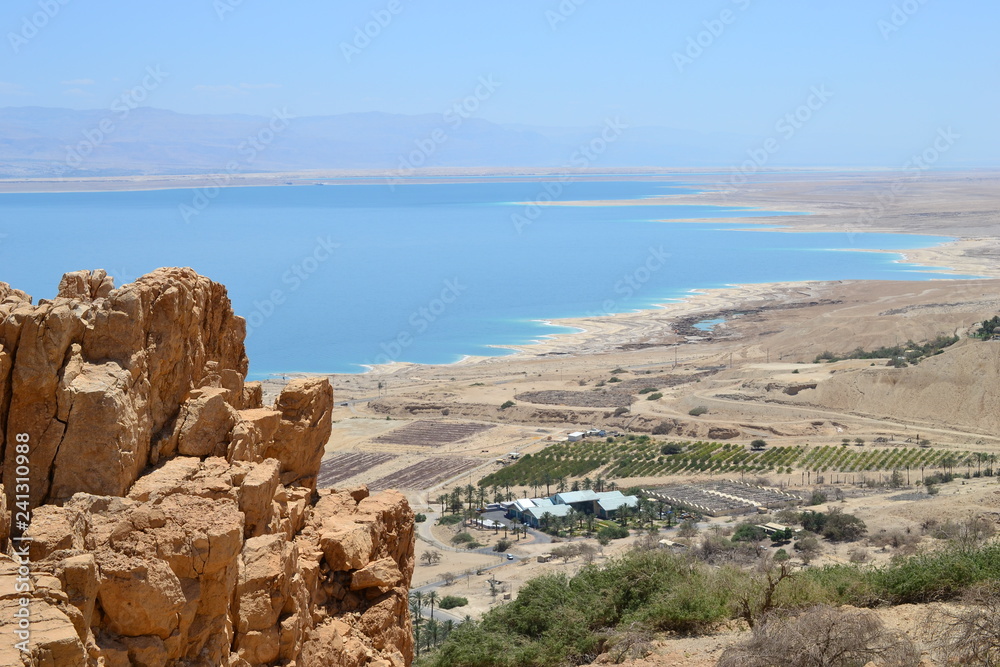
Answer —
(583, 399)
(431, 434)
(760, 496)
(425, 473)
(643, 456)
(343, 466)
(703, 500)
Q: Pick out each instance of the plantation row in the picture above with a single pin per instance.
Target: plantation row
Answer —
(644, 457)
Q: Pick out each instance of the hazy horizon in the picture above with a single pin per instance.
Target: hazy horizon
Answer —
(856, 84)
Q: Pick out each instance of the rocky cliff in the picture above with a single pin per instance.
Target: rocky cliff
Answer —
(175, 518)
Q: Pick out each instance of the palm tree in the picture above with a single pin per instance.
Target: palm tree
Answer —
(547, 480)
(588, 483)
(612, 486)
(470, 494)
(482, 496)
(432, 597)
(432, 633)
(599, 484)
(416, 607)
(415, 614)
(561, 485)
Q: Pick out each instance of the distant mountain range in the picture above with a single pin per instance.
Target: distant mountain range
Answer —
(46, 142)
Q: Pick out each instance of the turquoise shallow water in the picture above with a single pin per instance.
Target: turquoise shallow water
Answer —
(331, 278)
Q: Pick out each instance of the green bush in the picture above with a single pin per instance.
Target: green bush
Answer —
(419, 518)
(647, 390)
(556, 620)
(654, 396)
(450, 519)
(613, 532)
(698, 411)
(452, 601)
(462, 538)
(817, 498)
(747, 532)
(507, 404)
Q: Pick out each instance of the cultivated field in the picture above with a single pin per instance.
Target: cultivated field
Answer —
(648, 457)
(425, 474)
(343, 466)
(431, 434)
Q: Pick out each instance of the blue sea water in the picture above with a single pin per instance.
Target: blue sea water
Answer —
(337, 277)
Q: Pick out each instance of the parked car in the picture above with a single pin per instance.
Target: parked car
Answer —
(510, 556)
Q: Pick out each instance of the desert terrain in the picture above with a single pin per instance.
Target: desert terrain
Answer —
(774, 366)
(756, 373)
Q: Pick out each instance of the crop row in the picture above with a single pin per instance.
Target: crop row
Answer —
(645, 457)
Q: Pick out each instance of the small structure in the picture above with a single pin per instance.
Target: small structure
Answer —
(533, 515)
(575, 436)
(772, 528)
(608, 504)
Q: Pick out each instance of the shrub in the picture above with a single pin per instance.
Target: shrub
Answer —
(849, 637)
(698, 411)
(450, 519)
(747, 532)
(647, 390)
(612, 532)
(663, 428)
(419, 518)
(507, 404)
(615, 379)
(462, 538)
(970, 634)
(473, 545)
(654, 396)
(671, 448)
(452, 601)
(842, 527)
(620, 411)
(502, 545)
(817, 498)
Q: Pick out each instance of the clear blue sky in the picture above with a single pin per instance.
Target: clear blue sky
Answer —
(607, 58)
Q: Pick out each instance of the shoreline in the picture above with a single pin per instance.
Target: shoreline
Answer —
(612, 331)
(961, 206)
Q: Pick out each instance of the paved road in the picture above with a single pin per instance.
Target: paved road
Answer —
(425, 535)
